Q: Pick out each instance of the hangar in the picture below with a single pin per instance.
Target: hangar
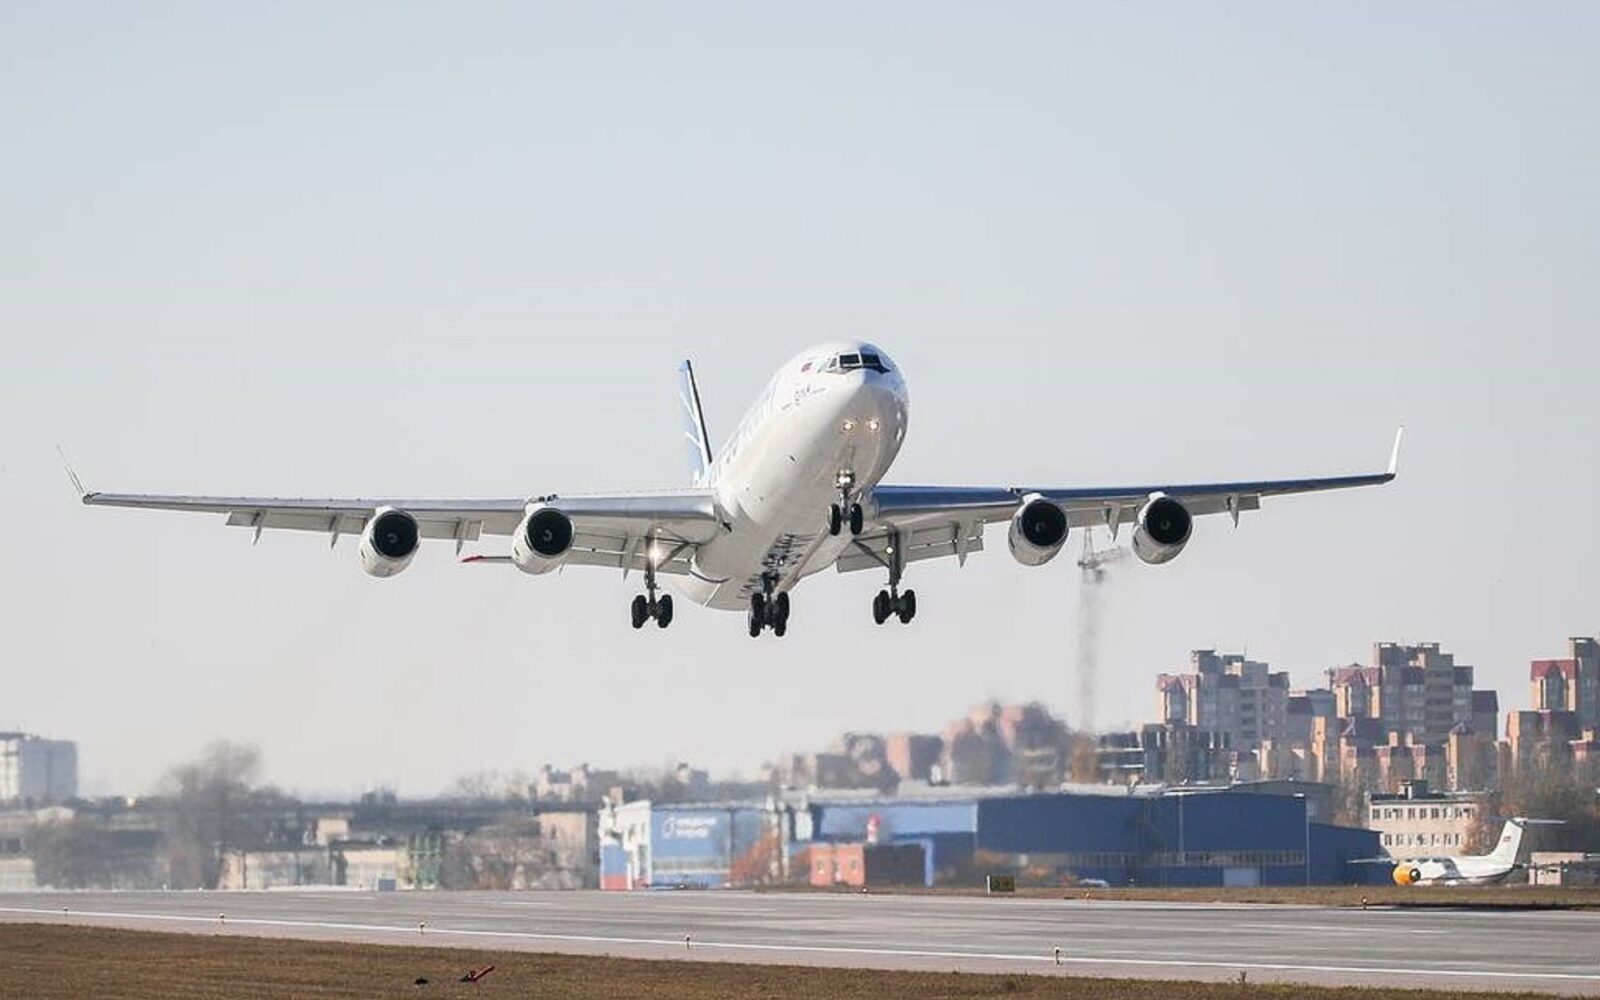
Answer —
(1149, 837)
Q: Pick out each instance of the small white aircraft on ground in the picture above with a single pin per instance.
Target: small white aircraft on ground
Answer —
(797, 488)
(1466, 869)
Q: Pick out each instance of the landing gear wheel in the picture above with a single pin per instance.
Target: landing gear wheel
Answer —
(664, 611)
(881, 608)
(780, 614)
(856, 519)
(780, 627)
(755, 625)
(835, 519)
(640, 611)
(908, 607)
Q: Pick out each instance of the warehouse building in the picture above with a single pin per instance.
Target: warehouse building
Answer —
(1149, 836)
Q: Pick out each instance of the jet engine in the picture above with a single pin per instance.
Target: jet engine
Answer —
(1163, 529)
(1406, 875)
(388, 542)
(1038, 529)
(542, 540)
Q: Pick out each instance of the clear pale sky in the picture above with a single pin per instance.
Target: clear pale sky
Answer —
(458, 249)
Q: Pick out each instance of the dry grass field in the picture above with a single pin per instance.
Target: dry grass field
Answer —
(39, 962)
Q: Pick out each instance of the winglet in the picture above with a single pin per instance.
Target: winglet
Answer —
(77, 484)
(1394, 455)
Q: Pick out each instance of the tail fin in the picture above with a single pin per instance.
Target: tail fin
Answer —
(694, 425)
(1510, 841)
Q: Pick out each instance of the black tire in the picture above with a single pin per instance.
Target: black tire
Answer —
(781, 609)
(857, 519)
(640, 611)
(755, 625)
(908, 607)
(779, 627)
(835, 519)
(664, 611)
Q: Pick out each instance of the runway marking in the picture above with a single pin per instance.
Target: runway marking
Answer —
(1410, 971)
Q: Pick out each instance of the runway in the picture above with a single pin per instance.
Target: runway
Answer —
(1555, 952)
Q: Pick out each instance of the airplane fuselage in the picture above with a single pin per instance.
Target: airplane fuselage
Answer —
(816, 434)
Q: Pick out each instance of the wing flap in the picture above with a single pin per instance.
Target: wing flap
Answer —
(952, 539)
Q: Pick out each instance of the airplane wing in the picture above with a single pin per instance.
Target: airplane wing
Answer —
(609, 530)
(934, 521)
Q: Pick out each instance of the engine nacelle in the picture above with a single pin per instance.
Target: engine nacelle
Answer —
(388, 542)
(542, 540)
(1163, 529)
(1038, 530)
(1407, 875)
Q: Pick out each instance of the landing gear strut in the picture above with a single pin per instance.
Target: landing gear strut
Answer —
(890, 602)
(647, 605)
(769, 609)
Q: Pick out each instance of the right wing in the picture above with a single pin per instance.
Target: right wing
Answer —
(934, 521)
(615, 530)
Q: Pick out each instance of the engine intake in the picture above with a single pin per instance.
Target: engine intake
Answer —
(1038, 530)
(1163, 529)
(542, 540)
(389, 542)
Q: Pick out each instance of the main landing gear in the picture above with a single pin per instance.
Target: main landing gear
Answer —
(648, 606)
(769, 610)
(892, 604)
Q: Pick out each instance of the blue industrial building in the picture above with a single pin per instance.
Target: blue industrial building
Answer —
(1184, 839)
(1149, 838)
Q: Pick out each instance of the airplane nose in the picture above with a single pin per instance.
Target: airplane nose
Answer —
(872, 404)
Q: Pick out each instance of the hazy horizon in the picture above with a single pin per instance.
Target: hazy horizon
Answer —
(402, 249)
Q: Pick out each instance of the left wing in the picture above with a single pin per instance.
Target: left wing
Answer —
(935, 521)
(609, 530)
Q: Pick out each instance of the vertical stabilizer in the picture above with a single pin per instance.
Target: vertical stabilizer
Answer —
(694, 425)
(1505, 852)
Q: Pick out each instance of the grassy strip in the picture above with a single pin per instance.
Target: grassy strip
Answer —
(46, 962)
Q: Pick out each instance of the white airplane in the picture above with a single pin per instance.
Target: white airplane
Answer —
(1466, 869)
(796, 489)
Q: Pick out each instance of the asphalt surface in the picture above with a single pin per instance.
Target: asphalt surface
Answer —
(1555, 952)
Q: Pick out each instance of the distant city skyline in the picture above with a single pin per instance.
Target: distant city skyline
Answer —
(404, 249)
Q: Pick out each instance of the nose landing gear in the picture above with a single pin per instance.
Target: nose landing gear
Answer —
(846, 510)
(839, 514)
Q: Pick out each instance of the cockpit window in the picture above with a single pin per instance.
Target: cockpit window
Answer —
(852, 362)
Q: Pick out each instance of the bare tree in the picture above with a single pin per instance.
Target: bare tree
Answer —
(1557, 790)
(211, 799)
